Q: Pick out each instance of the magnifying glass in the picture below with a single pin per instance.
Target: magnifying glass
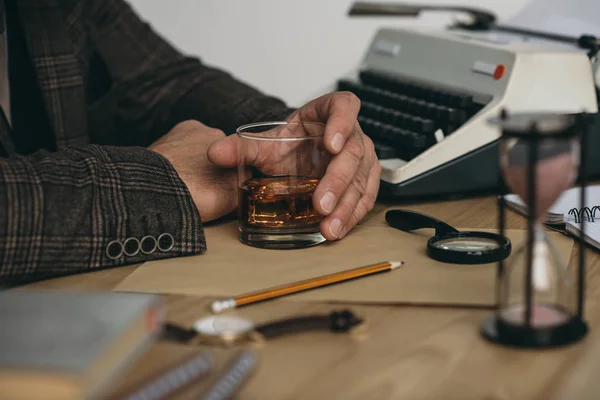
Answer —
(450, 245)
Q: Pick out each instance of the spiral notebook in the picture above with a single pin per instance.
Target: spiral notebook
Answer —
(567, 211)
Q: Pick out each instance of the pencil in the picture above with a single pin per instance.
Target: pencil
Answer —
(251, 298)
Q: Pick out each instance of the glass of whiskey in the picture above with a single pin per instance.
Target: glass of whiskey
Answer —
(280, 165)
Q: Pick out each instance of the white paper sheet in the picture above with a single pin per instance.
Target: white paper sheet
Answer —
(565, 17)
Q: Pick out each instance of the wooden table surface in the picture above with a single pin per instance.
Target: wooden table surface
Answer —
(403, 352)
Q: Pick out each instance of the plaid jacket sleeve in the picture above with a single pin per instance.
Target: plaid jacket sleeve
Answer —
(91, 207)
(87, 207)
(158, 86)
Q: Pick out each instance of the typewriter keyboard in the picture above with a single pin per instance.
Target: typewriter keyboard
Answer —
(404, 118)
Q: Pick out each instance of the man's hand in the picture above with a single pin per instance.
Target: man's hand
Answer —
(349, 188)
(213, 189)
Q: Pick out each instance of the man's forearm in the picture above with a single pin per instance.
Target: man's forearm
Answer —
(70, 212)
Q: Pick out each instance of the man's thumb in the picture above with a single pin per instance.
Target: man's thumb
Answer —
(224, 152)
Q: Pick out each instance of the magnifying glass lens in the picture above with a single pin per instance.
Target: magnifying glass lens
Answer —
(467, 244)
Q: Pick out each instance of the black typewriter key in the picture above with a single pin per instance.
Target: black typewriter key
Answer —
(461, 117)
(375, 129)
(446, 99)
(440, 98)
(380, 113)
(423, 93)
(397, 139)
(415, 125)
(396, 118)
(385, 134)
(344, 86)
(457, 116)
(461, 101)
(373, 79)
(426, 126)
(370, 127)
(426, 110)
(377, 112)
(402, 120)
(420, 125)
(381, 131)
(401, 138)
(365, 112)
(449, 114)
(429, 139)
(397, 104)
(409, 106)
(405, 115)
(384, 151)
(390, 100)
(428, 92)
(419, 144)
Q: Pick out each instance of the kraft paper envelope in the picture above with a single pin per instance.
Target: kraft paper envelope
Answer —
(230, 268)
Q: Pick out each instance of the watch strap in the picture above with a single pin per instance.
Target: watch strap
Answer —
(337, 321)
(176, 333)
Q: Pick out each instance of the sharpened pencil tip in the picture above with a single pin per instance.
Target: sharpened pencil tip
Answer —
(396, 264)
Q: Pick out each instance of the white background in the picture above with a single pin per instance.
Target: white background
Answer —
(293, 49)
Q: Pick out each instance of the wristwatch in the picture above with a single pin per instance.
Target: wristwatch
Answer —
(230, 330)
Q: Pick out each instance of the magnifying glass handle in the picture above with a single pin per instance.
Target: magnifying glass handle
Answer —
(407, 221)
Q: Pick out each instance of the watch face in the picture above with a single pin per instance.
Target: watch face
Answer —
(222, 325)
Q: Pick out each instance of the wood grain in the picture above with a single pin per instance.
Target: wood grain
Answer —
(402, 353)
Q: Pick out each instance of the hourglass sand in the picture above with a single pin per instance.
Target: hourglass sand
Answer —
(538, 301)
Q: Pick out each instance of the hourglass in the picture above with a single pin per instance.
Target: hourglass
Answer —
(539, 296)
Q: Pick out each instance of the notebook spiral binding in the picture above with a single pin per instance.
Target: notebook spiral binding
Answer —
(579, 213)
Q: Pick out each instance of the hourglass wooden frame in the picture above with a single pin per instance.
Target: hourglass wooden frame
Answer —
(496, 328)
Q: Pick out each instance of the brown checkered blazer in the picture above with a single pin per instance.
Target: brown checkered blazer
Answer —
(111, 86)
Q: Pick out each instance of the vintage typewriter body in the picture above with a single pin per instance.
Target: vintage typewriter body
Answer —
(427, 97)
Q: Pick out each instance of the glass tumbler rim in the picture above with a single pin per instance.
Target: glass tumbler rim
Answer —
(258, 136)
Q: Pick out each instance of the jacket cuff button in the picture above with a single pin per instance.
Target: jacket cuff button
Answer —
(114, 250)
(148, 244)
(166, 242)
(131, 247)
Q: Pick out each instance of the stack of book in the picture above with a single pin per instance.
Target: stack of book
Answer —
(71, 345)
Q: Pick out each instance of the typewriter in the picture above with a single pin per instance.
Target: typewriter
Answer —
(427, 97)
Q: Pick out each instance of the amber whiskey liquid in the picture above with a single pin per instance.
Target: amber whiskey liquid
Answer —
(280, 204)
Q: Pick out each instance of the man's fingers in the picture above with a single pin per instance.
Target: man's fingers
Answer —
(334, 227)
(230, 151)
(224, 153)
(340, 110)
(367, 201)
(374, 179)
(340, 173)
(353, 207)
(343, 111)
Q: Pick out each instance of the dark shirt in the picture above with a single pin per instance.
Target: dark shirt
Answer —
(29, 119)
